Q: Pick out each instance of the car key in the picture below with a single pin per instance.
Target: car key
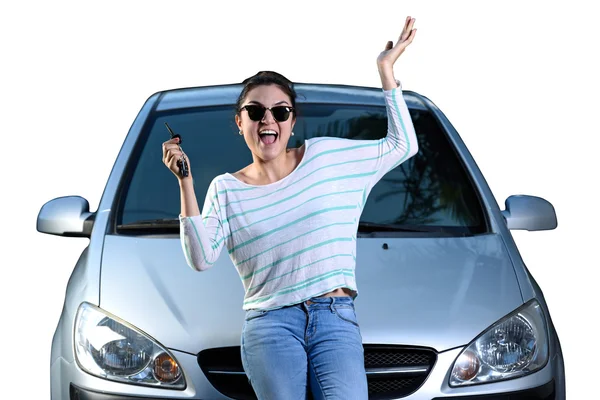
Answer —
(181, 163)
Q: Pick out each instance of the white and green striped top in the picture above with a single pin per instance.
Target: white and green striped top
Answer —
(295, 239)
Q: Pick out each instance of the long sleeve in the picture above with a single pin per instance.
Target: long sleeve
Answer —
(368, 158)
(201, 235)
(400, 144)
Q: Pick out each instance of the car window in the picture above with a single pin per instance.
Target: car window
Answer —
(430, 189)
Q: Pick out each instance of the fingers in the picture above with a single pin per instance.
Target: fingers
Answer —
(410, 38)
(408, 29)
(171, 141)
(170, 144)
(407, 36)
(171, 162)
(405, 27)
(388, 57)
(412, 35)
(169, 149)
(171, 152)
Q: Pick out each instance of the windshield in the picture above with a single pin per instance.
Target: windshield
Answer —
(430, 192)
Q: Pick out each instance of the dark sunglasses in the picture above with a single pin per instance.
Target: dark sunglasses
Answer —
(257, 112)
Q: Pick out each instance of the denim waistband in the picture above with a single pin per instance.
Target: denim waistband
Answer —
(332, 300)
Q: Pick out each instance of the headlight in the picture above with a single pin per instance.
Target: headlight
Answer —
(110, 348)
(515, 346)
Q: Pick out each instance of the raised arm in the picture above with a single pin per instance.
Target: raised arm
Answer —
(200, 234)
(401, 141)
(371, 159)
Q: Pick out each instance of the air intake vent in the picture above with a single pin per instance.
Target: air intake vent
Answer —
(392, 371)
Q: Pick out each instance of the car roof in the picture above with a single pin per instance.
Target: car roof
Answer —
(307, 93)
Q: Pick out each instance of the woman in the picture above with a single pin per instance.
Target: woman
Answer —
(289, 223)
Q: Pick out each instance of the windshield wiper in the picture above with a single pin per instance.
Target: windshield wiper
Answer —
(370, 227)
(162, 224)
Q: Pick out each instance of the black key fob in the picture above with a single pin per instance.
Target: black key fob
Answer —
(183, 167)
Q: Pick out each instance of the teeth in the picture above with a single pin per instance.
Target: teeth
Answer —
(267, 132)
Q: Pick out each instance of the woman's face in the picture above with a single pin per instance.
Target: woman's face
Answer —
(267, 138)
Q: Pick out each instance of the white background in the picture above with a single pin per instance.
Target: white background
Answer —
(517, 79)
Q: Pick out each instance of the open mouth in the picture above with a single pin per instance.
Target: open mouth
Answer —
(268, 136)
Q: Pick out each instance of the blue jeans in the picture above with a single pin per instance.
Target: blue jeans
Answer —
(318, 346)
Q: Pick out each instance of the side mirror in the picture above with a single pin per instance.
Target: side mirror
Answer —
(529, 213)
(66, 216)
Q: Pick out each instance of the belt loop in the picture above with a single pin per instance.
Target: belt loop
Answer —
(332, 304)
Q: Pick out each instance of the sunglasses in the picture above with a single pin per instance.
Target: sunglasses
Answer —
(257, 112)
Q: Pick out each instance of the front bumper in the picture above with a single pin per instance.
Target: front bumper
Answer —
(545, 392)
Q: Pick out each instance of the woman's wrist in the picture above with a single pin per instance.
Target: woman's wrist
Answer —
(386, 73)
(187, 182)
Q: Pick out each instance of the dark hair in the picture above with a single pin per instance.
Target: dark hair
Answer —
(266, 78)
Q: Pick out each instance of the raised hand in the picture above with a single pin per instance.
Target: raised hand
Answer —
(387, 58)
(172, 153)
(390, 54)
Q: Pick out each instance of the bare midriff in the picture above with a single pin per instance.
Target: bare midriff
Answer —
(339, 292)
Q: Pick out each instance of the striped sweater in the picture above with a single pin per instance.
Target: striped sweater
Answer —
(295, 239)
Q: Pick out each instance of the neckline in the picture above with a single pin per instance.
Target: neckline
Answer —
(302, 160)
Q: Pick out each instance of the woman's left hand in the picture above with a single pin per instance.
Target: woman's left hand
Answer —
(388, 57)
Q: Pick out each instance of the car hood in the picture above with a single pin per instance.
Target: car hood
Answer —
(434, 292)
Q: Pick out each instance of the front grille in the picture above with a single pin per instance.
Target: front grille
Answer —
(392, 371)
(383, 387)
(385, 356)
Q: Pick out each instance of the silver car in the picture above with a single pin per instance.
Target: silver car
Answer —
(447, 307)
